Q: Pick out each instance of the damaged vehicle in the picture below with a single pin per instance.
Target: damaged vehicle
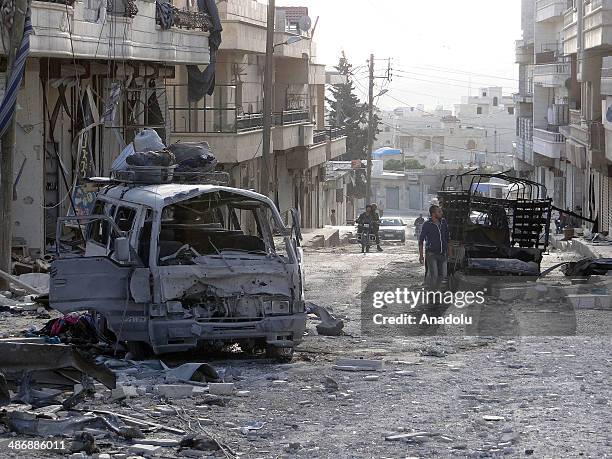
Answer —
(177, 266)
(499, 227)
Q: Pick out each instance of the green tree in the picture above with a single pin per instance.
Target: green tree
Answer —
(412, 163)
(346, 110)
(394, 165)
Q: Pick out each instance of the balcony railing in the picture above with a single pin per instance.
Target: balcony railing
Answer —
(183, 19)
(335, 132)
(560, 68)
(575, 117)
(548, 136)
(207, 116)
(320, 136)
(291, 117)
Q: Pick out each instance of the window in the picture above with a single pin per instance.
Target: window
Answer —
(471, 145)
(98, 229)
(479, 110)
(510, 110)
(495, 101)
(125, 218)
(484, 93)
(387, 129)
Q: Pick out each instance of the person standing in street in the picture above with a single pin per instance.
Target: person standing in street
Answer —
(332, 217)
(376, 223)
(433, 240)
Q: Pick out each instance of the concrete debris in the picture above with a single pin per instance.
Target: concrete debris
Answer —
(175, 390)
(358, 365)
(221, 388)
(330, 325)
(123, 392)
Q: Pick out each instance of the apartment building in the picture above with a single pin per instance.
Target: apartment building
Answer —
(95, 76)
(98, 74)
(563, 100)
(231, 120)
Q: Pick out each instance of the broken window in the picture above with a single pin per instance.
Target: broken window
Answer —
(209, 225)
(125, 218)
(98, 229)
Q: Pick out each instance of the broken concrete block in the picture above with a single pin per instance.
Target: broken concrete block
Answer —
(175, 390)
(122, 392)
(142, 449)
(221, 388)
(358, 365)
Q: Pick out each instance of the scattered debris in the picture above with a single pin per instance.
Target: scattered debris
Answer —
(221, 388)
(358, 365)
(330, 325)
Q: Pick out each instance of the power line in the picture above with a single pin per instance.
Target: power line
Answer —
(449, 79)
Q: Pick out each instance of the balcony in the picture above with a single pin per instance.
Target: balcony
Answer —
(548, 10)
(244, 26)
(570, 32)
(133, 34)
(336, 145)
(597, 23)
(524, 52)
(547, 143)
(606, 76)
(234, 134)
(551, 75)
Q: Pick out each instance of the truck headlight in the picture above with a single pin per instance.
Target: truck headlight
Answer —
(277, 307)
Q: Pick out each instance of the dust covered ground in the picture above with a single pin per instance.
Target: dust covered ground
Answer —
(458, 396)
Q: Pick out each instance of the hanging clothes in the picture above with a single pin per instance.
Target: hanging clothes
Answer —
(200, 82)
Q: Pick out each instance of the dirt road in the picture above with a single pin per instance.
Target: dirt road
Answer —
(440, 396)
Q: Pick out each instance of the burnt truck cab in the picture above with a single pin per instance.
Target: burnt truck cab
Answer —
(175, 266)
(499, 227)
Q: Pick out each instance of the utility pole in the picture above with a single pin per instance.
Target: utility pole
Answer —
(8, 149)
(370, 131)
(264, 177)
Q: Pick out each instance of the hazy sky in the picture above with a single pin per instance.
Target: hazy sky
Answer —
(456, 37)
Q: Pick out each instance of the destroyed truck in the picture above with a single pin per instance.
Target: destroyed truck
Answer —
(499, 227)
(170, 267)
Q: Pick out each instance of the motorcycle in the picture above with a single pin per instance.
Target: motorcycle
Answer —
(365, 237)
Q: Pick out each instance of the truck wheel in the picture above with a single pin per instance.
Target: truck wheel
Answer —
(139, 350)
(280, 354)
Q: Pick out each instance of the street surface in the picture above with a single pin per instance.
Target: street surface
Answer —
(465, 396)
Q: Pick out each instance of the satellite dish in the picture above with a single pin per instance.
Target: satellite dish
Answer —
(609, 114)
(568, 83)
(305, 23)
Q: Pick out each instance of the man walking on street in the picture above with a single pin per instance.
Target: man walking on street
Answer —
(434, 235)
(332, 217)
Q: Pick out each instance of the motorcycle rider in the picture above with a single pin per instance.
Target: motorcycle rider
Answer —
(367, 217)
(418, 225)
(376, 227)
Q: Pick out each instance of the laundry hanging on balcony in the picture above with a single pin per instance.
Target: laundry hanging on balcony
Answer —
(200, 82)
(9, 101)
(165, 14)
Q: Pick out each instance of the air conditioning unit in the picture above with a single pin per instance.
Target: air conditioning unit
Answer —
(306, 135)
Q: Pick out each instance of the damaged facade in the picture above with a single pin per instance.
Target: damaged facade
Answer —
(98, 74)
(563, 101)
